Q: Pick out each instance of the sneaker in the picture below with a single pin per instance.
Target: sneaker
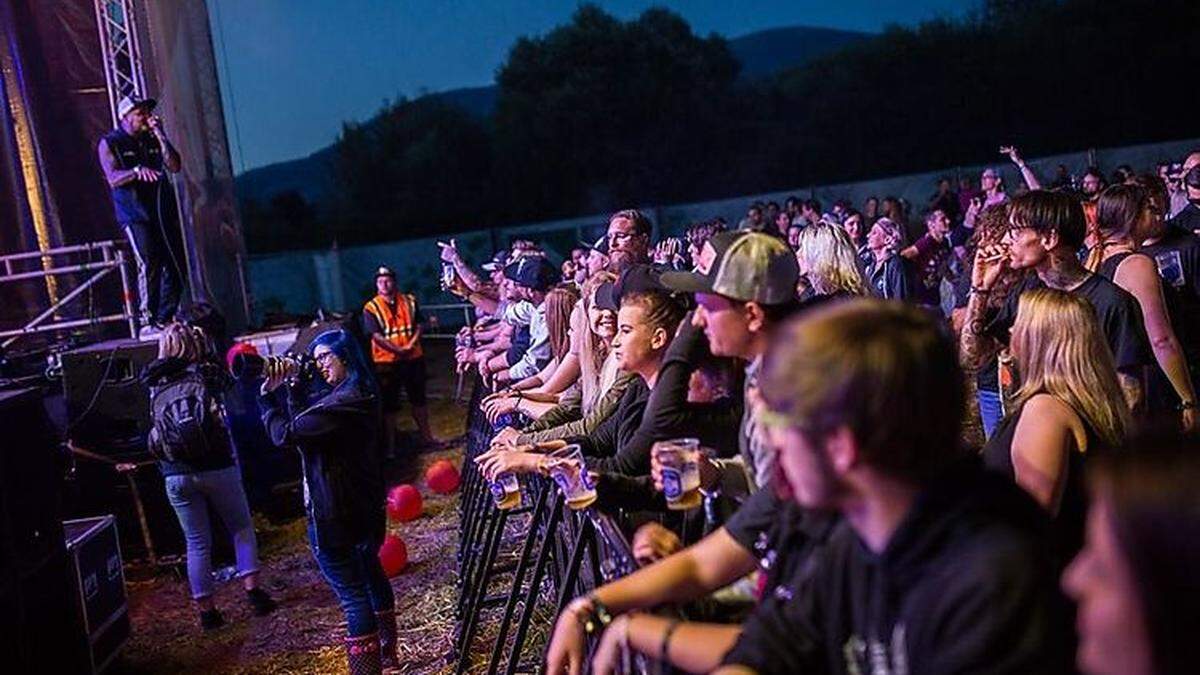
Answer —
(260, 603)
(211, 619)
(149, 333)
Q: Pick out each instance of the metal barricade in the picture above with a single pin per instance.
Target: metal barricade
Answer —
(518, 566)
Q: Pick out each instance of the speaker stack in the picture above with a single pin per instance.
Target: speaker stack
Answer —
(108, 418)
(40, 626)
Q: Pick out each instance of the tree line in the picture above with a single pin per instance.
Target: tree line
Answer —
(602, 113)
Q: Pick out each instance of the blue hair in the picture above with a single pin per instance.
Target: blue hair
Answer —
(343, 345)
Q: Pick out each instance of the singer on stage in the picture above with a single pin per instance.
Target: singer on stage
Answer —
(135, 157)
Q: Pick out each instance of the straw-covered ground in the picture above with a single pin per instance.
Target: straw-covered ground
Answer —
(304, 634)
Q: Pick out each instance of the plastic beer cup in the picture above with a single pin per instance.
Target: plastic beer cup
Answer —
(506, 491)
(680, 469)
(569, 472)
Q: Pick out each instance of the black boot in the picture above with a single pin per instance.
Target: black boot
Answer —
(211, 619)
(362, 653)
(388, 658)
(260, 603)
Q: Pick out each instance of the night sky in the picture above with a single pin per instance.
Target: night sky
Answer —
(297, 69)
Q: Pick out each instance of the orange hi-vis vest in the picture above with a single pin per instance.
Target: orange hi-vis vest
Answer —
(396, 323)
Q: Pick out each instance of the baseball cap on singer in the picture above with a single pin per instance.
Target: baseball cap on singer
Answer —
(128, 105)
(384, 271)
(744, 266)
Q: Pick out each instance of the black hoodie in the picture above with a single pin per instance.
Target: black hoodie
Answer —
(965, 585)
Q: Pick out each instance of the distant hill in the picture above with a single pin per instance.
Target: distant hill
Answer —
(762, 54)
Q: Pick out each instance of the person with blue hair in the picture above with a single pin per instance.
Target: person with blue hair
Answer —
(337, 433)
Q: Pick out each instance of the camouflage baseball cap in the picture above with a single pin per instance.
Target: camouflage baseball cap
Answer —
(745, 266)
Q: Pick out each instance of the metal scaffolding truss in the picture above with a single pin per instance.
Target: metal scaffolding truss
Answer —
(123, 74)
(61, 261)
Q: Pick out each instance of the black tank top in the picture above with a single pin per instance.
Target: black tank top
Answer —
(1068, 525)
(1161, 398)
(1108, 268)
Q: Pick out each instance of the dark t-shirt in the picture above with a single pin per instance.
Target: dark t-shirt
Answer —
(930, 266)
(782, 536)
(1119, 314)
(1188, 219)
(1177, 256)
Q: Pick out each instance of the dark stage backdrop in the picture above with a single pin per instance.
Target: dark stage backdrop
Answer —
(55, 108)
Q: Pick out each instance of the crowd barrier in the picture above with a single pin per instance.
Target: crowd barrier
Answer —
(518, 568)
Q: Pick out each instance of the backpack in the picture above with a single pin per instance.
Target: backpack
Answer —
(187, 425)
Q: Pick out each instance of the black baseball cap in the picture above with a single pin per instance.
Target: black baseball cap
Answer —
(384, 271)
(600, 245)
(534, 272)
(497, 262)
(640, 278)
(744, 266)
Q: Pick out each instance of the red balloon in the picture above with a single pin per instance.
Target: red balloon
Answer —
(404, 503)
(393, 555)
(442, 477)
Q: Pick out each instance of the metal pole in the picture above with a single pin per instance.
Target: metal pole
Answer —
(61, 250)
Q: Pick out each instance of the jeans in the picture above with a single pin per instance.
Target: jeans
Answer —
(191, 494)
(990, 411)
(358, 581)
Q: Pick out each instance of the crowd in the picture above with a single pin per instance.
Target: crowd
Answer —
(839, 441)
(867, 440)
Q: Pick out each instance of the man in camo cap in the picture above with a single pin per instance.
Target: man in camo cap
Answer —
(745, 286)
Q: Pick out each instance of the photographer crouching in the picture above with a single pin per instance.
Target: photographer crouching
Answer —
(337, 434)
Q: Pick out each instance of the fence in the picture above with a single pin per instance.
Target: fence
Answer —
(341, 279)
(518, 568)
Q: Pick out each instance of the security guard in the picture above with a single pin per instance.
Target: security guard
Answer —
(393, 320)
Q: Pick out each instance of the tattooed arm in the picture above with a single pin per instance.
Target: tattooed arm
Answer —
(975, 347)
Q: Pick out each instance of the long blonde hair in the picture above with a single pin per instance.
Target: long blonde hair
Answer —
(830, 260)
(182, 341)
(1060, 351)
(592, 350)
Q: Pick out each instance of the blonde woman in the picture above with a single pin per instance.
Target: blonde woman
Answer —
(195, 455)
(1069, 405)
(828, 262)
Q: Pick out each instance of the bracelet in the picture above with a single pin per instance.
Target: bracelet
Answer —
(666, 641)
(600, 612)
(1187, 405)
(976, 290)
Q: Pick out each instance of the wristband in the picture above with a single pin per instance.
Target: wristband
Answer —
(666, 641)
(976, 290)
(1187, 405)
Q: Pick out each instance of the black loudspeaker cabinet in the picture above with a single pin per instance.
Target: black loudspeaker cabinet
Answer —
(37, 597)
(95, 558)
(108, 407)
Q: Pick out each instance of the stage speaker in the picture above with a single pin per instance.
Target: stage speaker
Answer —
(37, 597)
(108, 407)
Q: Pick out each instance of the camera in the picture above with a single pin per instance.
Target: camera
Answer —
(291, 366)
